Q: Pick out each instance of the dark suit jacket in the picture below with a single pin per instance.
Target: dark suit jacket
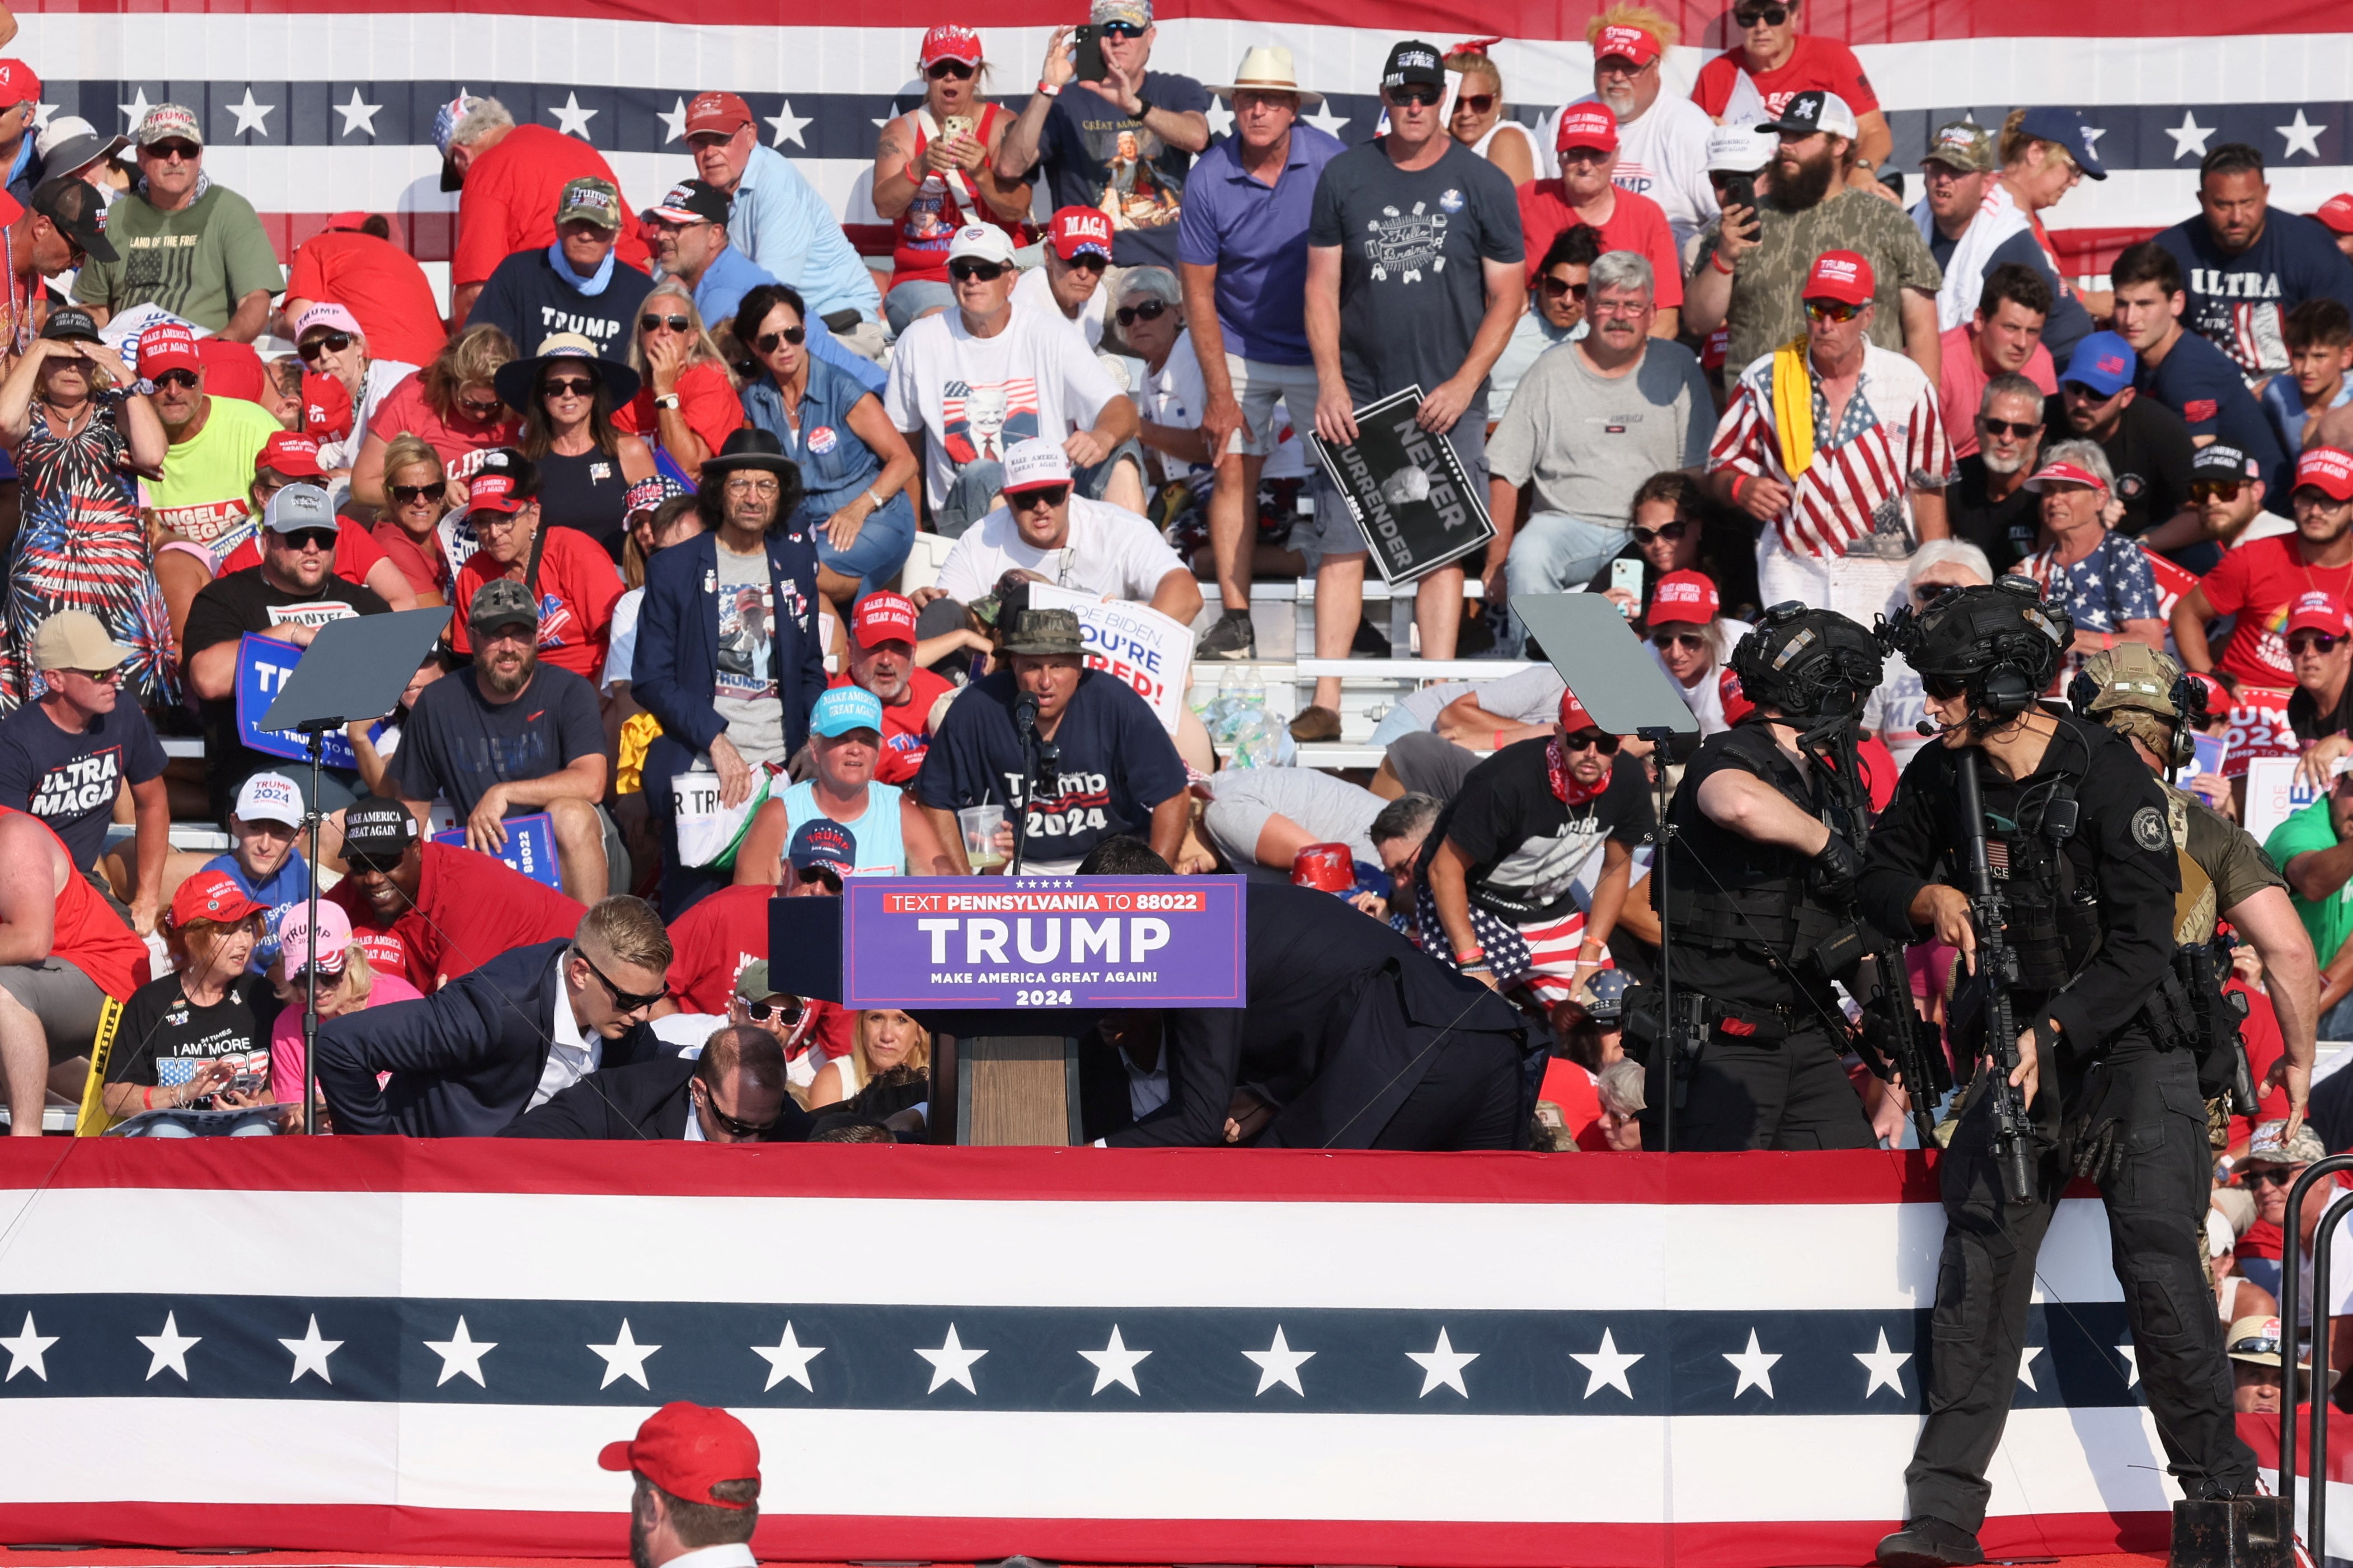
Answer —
(678, 641)
(1344, 1019)
(649, 1100)
(465, 1060)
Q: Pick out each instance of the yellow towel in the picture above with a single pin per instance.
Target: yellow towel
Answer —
(1793, 407)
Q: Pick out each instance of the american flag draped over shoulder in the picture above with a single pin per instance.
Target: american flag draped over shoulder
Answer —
(1858, 488)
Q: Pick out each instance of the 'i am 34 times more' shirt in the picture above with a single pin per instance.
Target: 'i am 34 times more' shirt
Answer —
(1117, 763)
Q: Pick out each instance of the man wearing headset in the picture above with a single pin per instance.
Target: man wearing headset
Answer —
(1757, 881)
(2142, 695)
(2110, 1093)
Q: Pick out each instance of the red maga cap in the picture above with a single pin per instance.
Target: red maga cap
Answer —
(295, 457)
(1733, 699)
(1326, 868)
(168, 346)
(493, 492)
(326, 407)
(1841, 275)
(1078, 229)
(18, 84)
(1685, 596)
(2328, 470)
(1573, 716)
(2063, 474)
(721, 112)
(1639, 46)
(2317, 612)
(949, 42)
(884, 618)
(210, 896)
(2337, 212)
(1586, 125)
(686, 1449)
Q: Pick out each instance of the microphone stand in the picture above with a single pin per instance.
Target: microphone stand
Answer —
(314, 733)
(1671, 1046)
(1025, 730)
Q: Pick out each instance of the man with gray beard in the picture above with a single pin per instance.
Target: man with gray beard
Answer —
(1988, 505)
(509, 738)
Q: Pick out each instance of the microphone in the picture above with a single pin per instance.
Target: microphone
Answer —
(1025, 716)
(1929, 727)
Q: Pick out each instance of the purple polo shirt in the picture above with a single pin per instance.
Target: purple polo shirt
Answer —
(1257, 239)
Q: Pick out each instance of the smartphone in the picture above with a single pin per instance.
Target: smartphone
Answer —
(1087, 56)
(1627, 575)
(956, 125)
(1739, 191)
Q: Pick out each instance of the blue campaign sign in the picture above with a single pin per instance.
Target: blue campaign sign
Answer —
(1043, 942)
(262, 665)
(531, 848)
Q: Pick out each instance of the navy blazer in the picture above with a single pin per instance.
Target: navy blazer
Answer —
(465, 1060)
(678, 640)
(647, 1102)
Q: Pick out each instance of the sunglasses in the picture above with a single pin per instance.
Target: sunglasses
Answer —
(1693, 640)
(1425, 97)
(2267, 1177)
(1045, 498)
(2213, 489)
(2019, 431)
(655, 323)
(1771, 15)
(568, 385)
(408, 495)
(826, 874)
(1150, 311)
(309, 538)
(626, 1001)
(1944, 688)
(180, 378)
(1670, 532)
(163, 152)
(766, 341)
(1121, 31)
(1088, 261)
(1590, 741)
(1832, 311)
(309, 349)
(2087, 393)
(940, 70)
(1554, 288)
(102, 676)
(731, 1125)
(783, 1010)
(2311, 641)
(1476, 102)
(480, 413)
(964, 269)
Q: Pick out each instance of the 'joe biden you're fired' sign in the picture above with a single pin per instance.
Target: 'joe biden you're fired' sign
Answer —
(1042, 942)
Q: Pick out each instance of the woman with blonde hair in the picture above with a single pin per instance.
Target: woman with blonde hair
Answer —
(888, 1068)
(686, 401)
(408, 531)
(1479, 122)
(2044, 155)
(453, 403)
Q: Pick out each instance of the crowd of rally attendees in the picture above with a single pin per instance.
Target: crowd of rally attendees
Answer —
(738, 536)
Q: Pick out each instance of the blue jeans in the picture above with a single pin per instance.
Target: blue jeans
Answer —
(1554, 553)
(903, 304)
(877, 552)
(254, 1124)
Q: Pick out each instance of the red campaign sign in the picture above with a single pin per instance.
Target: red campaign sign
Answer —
(2172, 581)
(2259, 727)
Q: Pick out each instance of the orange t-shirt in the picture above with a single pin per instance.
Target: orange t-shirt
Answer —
(377, 281)
(509, 203)
(578, 586)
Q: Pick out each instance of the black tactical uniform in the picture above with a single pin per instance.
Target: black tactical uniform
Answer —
(2091, 894)
(1762, 1063)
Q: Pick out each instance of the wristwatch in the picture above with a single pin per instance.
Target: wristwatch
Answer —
(666, 400)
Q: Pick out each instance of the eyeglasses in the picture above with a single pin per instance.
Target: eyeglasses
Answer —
(1087, 261)
(732, 1126)
(2266, 1176)
(826, 874)
(309, 538)
(186, 379)
(1590, 741)
(655, 323)
(626, 1001)
(1695, 641)
(568, 385)
(766, 341)
(99, 677)
(1832, 311)
(2213, 489)
(1422, 96)
(1670, 532)
(1150, 311)
(752, 484)
(1631, 310)
(164, 151)
(1554, 288)
(324, 344)
(964, 269)
(940, 69)
(1045, 498)
(1476, 102)
(2019, 430)
(409, 495)
(2312, 641)
(1771, 15)
(783, 1010)
(480, 413)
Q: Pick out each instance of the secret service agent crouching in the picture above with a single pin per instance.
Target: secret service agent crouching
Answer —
(2079, 828)
(1755, 882)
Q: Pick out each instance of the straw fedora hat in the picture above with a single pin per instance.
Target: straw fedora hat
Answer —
(1267, 68)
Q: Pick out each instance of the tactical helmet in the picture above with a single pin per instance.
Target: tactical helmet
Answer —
(1807, 663)
(2002, 640)
(2139, 691)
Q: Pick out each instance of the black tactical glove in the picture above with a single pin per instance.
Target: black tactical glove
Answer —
(1835, 871)
(2093, 1141)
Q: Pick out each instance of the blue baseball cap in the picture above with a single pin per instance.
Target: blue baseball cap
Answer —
(844, 708)
(823, 843)
(2065, 127)
(2102, 362)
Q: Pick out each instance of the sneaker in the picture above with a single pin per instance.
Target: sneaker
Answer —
(1928, 1543)
(1231, 636)
(1315, 724)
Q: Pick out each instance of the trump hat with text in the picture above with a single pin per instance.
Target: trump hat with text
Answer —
(1841, 275)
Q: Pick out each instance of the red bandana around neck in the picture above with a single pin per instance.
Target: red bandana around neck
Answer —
(1565, 789)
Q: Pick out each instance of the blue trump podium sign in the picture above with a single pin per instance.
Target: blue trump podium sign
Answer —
(530, 847)
(263, 666)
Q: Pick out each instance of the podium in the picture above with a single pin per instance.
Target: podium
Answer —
(1009, 976)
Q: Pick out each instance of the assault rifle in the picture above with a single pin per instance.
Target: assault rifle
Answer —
(1998, 971)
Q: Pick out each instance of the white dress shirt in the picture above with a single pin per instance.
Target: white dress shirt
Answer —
(733, 1555)
(570, 1058)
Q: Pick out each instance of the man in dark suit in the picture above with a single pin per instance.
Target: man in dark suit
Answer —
(733, 1094)
(505, 1038)
(1353, 1038)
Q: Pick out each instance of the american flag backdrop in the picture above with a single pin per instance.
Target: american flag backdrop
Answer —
(957, 1354)
(315, 106)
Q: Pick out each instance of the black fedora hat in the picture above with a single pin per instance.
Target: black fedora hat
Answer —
(751, 447)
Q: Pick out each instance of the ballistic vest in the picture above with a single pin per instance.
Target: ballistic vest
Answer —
(1727, 891)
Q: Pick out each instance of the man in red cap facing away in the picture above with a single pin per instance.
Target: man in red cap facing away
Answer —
(1586, 193)
(1846, 494)
(697, 1496)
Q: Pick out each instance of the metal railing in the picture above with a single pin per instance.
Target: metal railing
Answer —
(2291, 1268)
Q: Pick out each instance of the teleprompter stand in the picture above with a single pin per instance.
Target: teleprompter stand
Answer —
(353, 669)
